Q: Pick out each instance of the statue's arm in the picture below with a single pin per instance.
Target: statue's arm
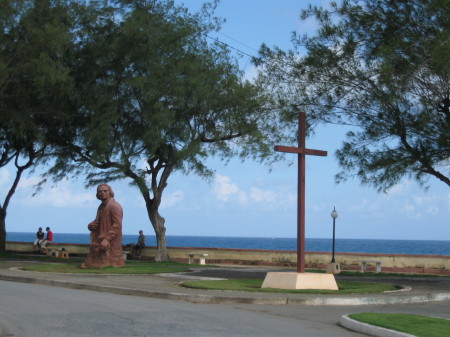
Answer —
(94, 225)
(116, 219)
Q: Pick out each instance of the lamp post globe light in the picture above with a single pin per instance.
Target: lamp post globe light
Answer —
(334, 215)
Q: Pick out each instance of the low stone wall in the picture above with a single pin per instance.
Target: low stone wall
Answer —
(27, 247)
(432, 264)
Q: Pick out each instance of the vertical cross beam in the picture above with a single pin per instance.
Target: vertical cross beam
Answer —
(301, 151)
(301, 194)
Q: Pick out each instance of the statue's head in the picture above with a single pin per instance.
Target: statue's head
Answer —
(102, 186)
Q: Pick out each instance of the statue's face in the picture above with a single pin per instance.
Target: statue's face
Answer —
(103, 193)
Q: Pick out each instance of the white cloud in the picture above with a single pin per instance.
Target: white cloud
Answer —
(4, 176)
(360, 207)
(320, 208)
(224, 188)
(251, 74)
(28, 182)
(433, 209)
(172, 199)
(260, 195)
(226, 191)
(62, 195)
(411, 211)
(366, 208)
(291, 200)
(398, 190)
(242, 198)
(421, 200)
(413, 202)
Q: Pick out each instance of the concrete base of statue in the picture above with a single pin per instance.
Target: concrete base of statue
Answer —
(333, 268)
(289, 280)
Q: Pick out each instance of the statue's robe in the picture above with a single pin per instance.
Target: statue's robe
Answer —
(109, 217)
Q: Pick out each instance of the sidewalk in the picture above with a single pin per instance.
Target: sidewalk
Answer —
(167, 286)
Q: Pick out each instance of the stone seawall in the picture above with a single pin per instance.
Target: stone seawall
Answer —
(431, 264)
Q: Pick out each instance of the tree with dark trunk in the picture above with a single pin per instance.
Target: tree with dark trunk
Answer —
(382, 67)
(34, 38)
(154, 96)
(20, 168)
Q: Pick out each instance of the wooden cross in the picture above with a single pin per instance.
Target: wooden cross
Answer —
(302, 152)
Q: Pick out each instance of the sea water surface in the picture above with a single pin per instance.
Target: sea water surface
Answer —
(413, 247)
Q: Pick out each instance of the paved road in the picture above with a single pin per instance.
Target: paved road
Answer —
(52, 304)
(30, 310)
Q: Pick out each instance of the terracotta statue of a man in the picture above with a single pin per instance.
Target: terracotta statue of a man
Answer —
(106, 232)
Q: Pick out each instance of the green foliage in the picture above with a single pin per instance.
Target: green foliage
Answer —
(150, 89)
(381, 66)
(35, 45)
(345, 287)
(35, 38)
(151, 92)
(152, 96)
(420, 326)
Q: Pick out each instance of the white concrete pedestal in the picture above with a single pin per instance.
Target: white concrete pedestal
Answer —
(333, 268)
(288, 280)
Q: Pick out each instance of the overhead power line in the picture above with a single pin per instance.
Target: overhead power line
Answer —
(231, 38)
(231, 47)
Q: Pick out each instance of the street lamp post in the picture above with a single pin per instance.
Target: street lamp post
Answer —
(334, 215)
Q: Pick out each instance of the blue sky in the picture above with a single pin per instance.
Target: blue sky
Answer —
(245, 199)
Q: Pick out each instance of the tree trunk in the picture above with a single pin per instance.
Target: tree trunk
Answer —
(152, 204)
(12, 190)
(158, 225)
(2, 230)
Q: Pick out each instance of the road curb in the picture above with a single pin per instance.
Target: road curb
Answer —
(371, 300)
(227, 298)
(370, 330)
(194, 298)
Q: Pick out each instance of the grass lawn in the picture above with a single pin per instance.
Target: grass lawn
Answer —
(145, 267)
(383, 274)
(72, 265)
(420, 326)
(131, 267)
(345, 287)
(374, 274)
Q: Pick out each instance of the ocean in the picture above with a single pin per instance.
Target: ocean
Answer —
(413, 247)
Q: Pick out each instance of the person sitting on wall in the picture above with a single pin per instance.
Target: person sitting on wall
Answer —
(137, 249)
(39, 239)
(47, 240)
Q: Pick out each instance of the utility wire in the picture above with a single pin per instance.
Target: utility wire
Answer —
(226, 44)
(237, 41)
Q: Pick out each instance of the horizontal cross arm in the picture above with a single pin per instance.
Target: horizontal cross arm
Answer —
(299, 150)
